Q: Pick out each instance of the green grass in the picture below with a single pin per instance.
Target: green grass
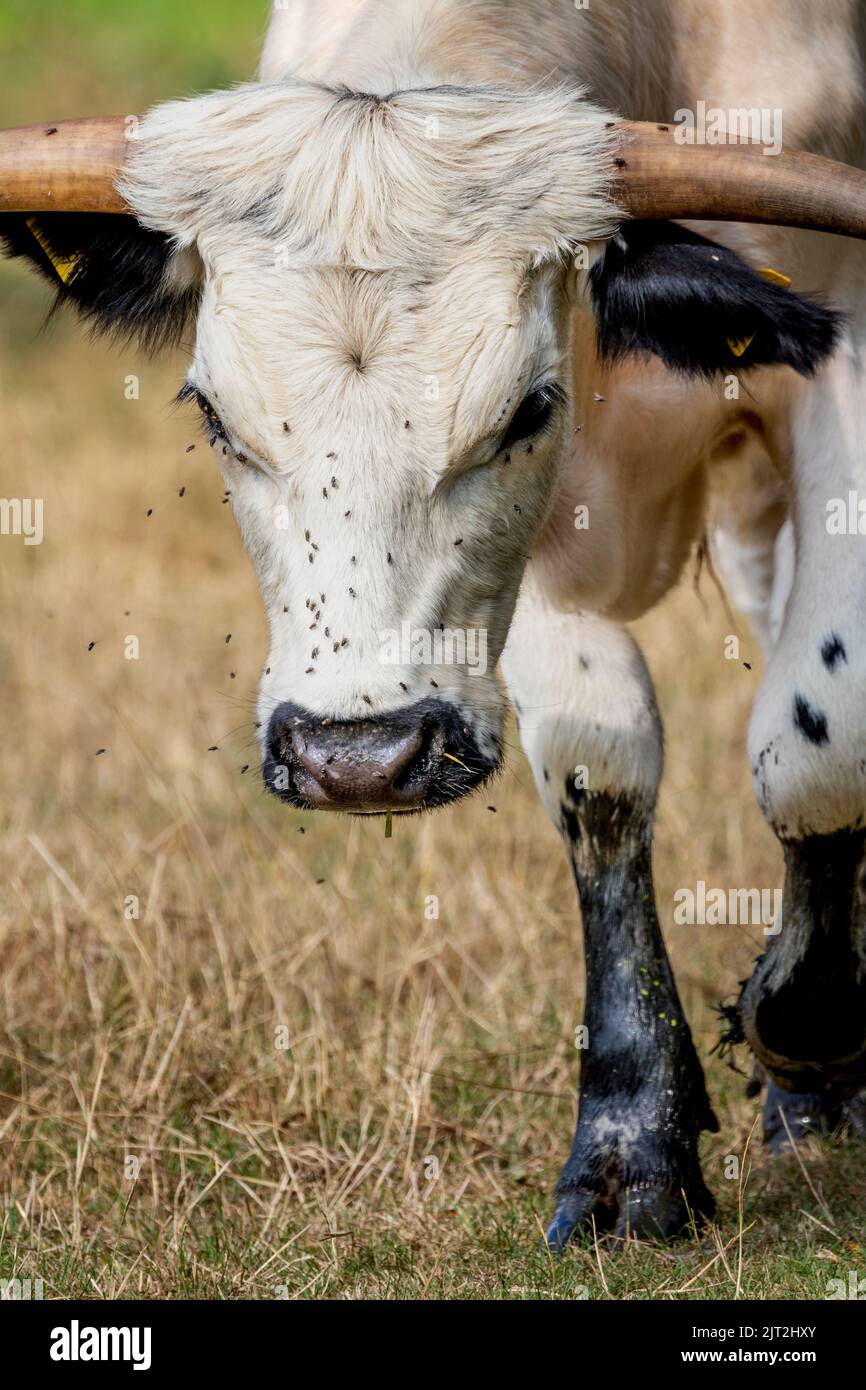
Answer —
(63, 58)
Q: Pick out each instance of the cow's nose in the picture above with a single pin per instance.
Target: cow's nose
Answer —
(364, 766)
(357, 765)
(409, 759)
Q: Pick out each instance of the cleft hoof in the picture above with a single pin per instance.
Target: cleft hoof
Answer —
(790, 1117)
(653, 1213)
(645, 1211)
(855, 1116)
(573, 1216)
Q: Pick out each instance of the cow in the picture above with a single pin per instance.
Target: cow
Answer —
(493, 326)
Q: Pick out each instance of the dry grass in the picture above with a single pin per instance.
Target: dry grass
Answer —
(305, 1168)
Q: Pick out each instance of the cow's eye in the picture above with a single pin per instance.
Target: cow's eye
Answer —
(534, 414)
(213, 425)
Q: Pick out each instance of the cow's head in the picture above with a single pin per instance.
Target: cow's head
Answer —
(381, 289)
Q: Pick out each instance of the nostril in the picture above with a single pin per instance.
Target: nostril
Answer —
(405, 755)
(420, 760)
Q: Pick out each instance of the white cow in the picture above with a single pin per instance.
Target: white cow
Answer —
(440, 371)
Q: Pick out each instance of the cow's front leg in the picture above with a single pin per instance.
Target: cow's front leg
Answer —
(804, 1010)
(591, 729)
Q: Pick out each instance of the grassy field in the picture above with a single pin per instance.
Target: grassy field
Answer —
(279, 1079)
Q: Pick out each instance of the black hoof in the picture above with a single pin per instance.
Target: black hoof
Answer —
(855, 1116)
(574, 1216)
(790, 1117)
(648, 1211)
(656, 1213)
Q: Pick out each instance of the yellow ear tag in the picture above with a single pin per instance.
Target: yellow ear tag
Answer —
(738, 345)
(775, 277)
(64, 265)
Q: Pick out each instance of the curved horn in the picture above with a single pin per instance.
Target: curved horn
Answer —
(73, 166)
(68, 167)
(655, 177)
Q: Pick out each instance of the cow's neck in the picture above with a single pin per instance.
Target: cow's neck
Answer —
(383, 45)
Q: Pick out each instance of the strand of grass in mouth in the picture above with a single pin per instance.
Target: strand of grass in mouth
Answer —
(388, 824)
(452, 758)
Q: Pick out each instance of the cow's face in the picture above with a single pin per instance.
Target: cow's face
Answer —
(391, 445)
(382, 291)
(381, 364)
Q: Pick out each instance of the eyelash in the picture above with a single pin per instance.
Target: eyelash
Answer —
(534, 414)
(213, 425)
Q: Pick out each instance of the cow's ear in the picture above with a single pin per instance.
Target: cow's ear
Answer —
(122, 277)
(662, 289)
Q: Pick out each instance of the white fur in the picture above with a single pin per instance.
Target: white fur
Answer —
(584, 699)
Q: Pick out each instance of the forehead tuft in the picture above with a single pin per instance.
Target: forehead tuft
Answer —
(410, 180)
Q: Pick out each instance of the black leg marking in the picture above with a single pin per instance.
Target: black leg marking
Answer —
(804, 1009)
(634, 1164)
(833, 651)
(811, 723)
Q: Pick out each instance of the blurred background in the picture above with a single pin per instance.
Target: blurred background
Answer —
(235, 1058)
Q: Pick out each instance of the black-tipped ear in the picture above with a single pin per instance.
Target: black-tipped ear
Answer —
(123, 278)
(662, 289)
